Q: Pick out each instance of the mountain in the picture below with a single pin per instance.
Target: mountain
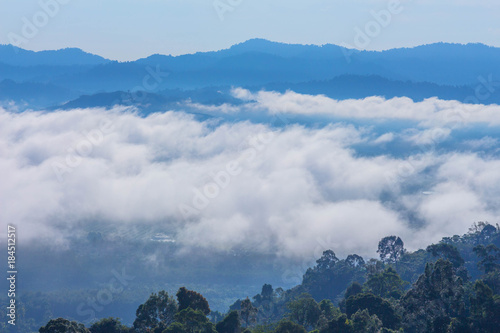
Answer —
(15, 56)
(449, 71)
(30, 94)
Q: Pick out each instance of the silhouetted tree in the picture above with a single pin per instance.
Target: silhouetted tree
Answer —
(230, 324)
(192, 299)
(390, 249)
(157, 312)
(304, 311)
(248, 312)
(287, 326)
(61, 325)
(108, 325)
(490, 256)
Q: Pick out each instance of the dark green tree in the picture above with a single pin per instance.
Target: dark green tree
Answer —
(156, 313)
(447, 252)
(61, 325)
(375, 305)
(490, 257)
(436, 298)
(108, 325)
(304, 311)
(192, 299)
(485, 309)
(362, 322)
(193, 321)
(386, 284)
(391, 249)
(248, 313)
(287, 326)
(267, 292)
(338, 325)
(230, 324)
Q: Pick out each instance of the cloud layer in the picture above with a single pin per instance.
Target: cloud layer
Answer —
(287, 190)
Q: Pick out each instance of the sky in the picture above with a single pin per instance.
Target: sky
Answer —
(131, 29)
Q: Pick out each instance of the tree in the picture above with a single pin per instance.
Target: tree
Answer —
(267, 291)
(328, 310)
(375, 305)
(391, 249)
(485, 309)
(230, 324)
(327, 260)
(304, 311)
(192, 299)
(386, 284)
(108, 325)
(287, 326)
(490, 255)
(354, 260)
(435, 299)
(193, 321)
(248, 312)
(338, 325)
(363, 322)
(157, 312)
(448, 252)
(61, 325)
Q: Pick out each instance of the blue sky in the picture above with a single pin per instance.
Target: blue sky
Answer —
(130, 29)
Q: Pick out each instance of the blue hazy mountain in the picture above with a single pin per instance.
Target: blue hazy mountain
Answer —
(449, 71)
(11, 55)
(342, 87)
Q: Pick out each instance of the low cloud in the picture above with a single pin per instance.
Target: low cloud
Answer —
(240, 185)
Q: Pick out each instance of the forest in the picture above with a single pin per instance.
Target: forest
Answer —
(451, 286)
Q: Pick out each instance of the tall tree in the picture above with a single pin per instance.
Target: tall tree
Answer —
(108, 325)
(490, 257)
(157, 312)
(485, 309)
(192, 299)
(386, 284)
(230, 324)
(436, 298)
(61, 325)
(248, 312)
(391, 249)
(304, 311)
(193, 321)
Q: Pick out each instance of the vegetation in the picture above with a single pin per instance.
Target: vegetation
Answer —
(452, 286)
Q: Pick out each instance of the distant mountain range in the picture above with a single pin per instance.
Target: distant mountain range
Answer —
(52, 78)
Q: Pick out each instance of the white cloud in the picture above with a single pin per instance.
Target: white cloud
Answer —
(295, 188)
(431, 112)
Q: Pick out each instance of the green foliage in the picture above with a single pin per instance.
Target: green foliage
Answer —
(287, 326)
(363, 322)
(192, 299)
(386, 284)
(490, 257)
(108, 325)
(157, 312)
(485, 309)
(331, 276)
(304, 311)
(230, 324)
(61, 325)
(391, 249)
(248, 312)
(448, 252)
(193, 321)
(375, 305)
(435, 299)
(338, 325)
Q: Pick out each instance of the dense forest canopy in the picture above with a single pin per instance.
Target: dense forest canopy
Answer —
(451, 286)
